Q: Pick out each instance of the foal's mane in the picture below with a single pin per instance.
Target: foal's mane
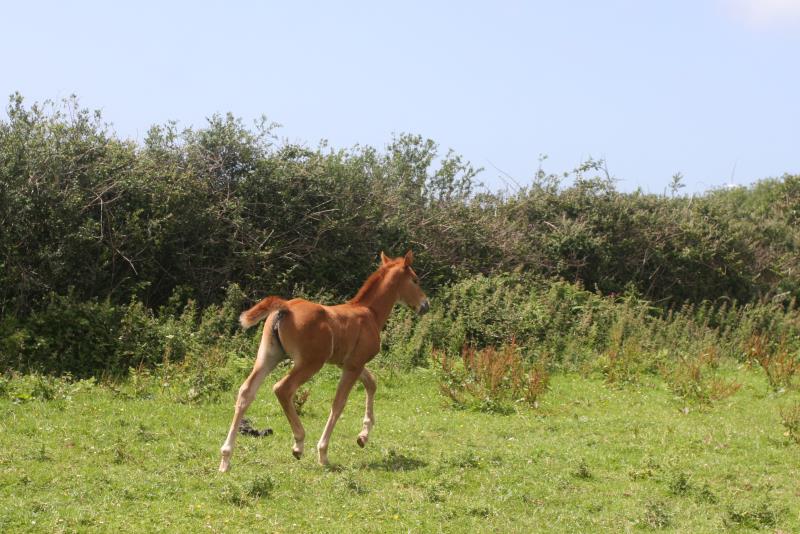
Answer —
(372, 282)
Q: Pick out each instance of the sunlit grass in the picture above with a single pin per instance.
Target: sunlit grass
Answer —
(592, 457)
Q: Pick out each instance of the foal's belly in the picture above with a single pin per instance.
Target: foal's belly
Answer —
(351, 353)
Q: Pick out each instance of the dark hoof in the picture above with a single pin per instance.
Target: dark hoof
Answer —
(297, 454)
(361, 442)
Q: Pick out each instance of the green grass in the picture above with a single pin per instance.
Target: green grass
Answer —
(592, 457)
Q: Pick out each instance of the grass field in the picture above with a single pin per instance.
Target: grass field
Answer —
(593, 457)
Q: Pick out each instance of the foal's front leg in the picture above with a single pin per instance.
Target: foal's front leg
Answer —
(349, 377)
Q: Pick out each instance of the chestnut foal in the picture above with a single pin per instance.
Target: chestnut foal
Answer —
(347, 335)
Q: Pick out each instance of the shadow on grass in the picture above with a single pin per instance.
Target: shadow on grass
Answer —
(395, 461)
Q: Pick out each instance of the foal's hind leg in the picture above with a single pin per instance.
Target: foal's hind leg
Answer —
(269, 354)
(369, 417)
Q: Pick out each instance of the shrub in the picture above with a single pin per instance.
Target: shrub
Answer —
(106, 240)
(556, 320)
(66, 336)
(97, 338)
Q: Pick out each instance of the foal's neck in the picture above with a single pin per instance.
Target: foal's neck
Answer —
(379, 294)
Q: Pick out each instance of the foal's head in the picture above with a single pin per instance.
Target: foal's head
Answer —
(408, 290)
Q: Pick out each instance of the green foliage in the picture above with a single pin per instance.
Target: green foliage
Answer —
(560, 326)
(692, 378)
(37, 387)
(93, 338)
(196, 209)
(556, 321)
(780, 361)
(118, 255)
(622, 337)
(65, 336)
(406, 340)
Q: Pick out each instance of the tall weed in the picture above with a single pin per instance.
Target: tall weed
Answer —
(790, 418)
(491, 380)
(779, 362)
(693, 377)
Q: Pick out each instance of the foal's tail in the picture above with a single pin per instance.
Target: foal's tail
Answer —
(260, 310)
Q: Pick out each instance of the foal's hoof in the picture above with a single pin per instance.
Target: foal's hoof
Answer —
(225, 462)
(297, 454)
(361, 441)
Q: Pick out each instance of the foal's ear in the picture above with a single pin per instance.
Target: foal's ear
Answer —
(409, 258)
(384, 258)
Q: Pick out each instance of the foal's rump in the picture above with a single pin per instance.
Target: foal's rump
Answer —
(300, 327)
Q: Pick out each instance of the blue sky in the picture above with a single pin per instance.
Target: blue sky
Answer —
(709, 88)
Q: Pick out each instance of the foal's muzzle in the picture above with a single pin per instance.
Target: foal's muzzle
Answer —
(424, 307)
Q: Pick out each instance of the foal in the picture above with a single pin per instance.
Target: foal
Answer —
(347, 335)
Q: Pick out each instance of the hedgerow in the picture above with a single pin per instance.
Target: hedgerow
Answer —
(118, 254)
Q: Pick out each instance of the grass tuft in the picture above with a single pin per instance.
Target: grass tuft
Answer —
(760, 515)
(657, 515)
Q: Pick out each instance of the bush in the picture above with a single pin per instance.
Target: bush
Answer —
(65, 336)
(117, 254)
(196, 209)
(37, 387)
(97, 338)
(779, 362)
(622, 338)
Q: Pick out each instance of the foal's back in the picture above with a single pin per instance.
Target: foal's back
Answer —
(345, 334)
